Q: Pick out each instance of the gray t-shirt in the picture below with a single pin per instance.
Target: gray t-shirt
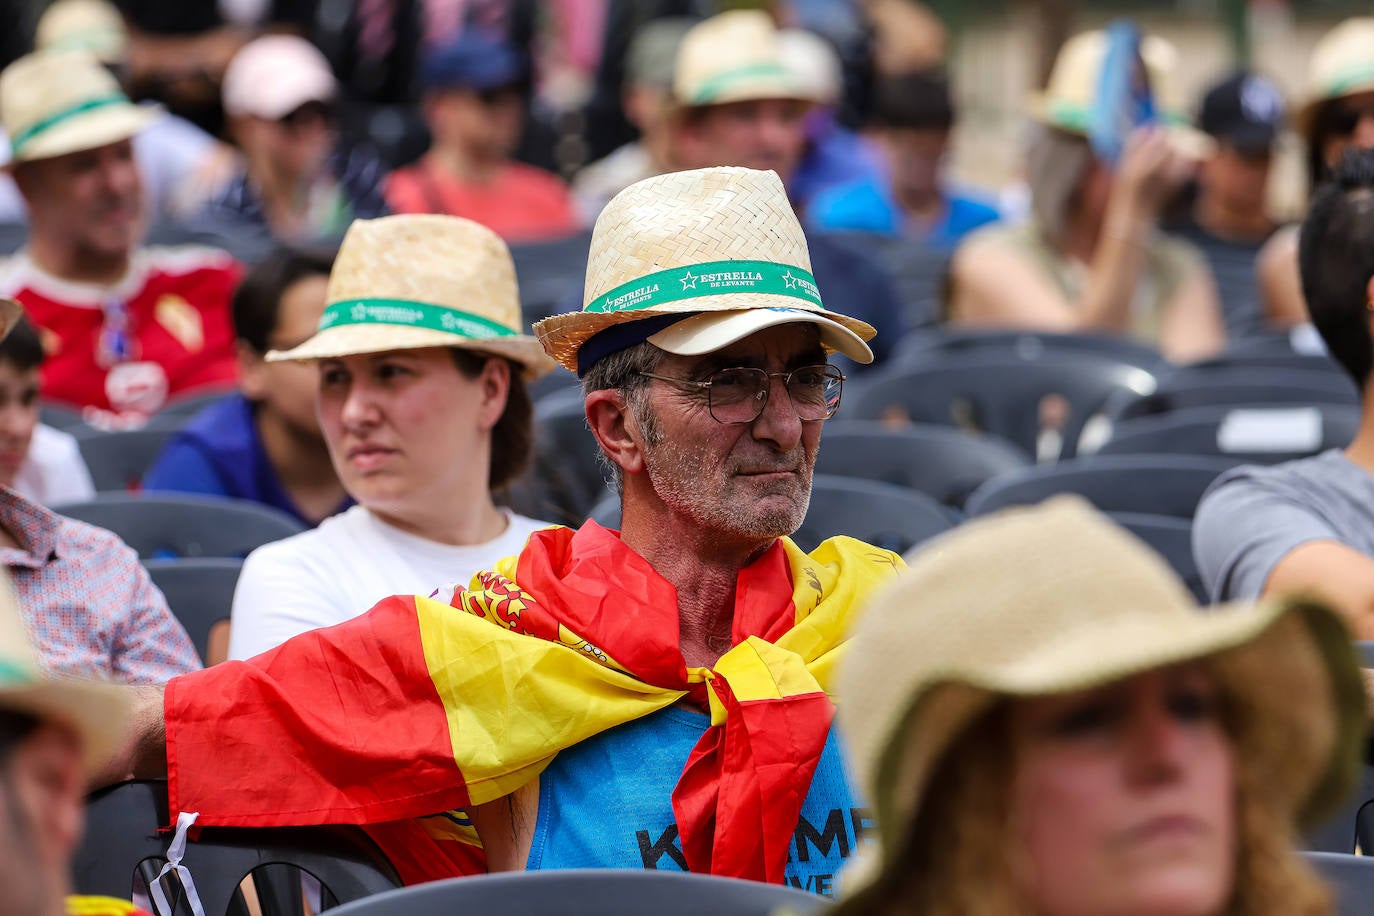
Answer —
(1252, 517)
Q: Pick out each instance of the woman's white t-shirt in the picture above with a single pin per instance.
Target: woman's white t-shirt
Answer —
(342, 568)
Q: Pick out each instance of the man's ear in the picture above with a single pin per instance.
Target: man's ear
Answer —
(495, 386)
(610, 420)
(252, 372)
(50, 786)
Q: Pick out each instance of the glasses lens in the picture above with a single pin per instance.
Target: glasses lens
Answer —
(737, 395)
(815, 391)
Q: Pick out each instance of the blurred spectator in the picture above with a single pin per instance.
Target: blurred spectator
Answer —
(1337, 114)
(264, 443)
(833, 154)
(1308, 526)
(647, 99)
(179, 161)
(1226, 214)
(911, 122)
(737, 104)
(124, 326)
(421, 372)
(908, 36)
(87, 602)
(42, 464)
(298, 182)
(1092, 258)
(472, 102)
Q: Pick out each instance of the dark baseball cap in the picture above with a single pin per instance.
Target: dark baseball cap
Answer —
(477, 59)
(1245, 110)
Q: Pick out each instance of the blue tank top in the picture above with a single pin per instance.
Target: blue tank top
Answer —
(607, 803)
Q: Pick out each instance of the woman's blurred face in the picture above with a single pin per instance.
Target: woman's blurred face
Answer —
(1123, 800)
(409, 434)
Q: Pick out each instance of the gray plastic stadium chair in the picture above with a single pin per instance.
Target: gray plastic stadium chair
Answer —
(61, 416)
(590, 892)
(122, 837)
(181, 525)
(943, 463)
(1171, 538)
(118, 459)
(1190, 387)
(880, 514)
(561, 438)
(1350, 877)
(199, 592)
(182, 409)
(1257, 433)
(1002, 395)
(1152, 484)
(937, 343)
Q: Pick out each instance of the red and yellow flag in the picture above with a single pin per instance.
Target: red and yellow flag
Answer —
(422, 706)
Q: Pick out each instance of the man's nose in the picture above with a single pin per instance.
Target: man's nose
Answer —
(778, 423)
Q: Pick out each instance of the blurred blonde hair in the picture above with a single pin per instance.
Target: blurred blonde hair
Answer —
(960, 858)
(1056, 164)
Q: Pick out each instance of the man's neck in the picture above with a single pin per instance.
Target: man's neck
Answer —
(1247, 225)
(702, 568)
(302, 464)
(464, 165)
(1361, 450)
(66, 263)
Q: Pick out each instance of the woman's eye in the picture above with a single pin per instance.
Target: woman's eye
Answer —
(1192, 704)
(333, 377)
(1084, 719)
(391, 371)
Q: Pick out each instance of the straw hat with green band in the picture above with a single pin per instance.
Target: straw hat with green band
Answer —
(721, 248)
(416, 281)
(1055, 599)
(86, 25)
(1341, 65)
(735, 56)
(57, 102)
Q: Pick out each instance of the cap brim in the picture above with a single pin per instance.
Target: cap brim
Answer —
(98, 712)
(356, 339)
(710, 331)
(88, 131)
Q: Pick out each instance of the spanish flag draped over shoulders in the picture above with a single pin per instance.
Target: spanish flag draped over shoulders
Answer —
(401, 718)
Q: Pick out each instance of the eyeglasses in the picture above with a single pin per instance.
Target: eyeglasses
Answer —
(737, 396)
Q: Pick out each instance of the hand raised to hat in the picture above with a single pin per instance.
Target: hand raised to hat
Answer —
(1152, 168)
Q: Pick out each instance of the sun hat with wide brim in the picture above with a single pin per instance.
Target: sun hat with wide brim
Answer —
(421, 280)
(719, 247)
(1057, 598)
(57, 102)
(1341, 65)
(94, 26)
(1067, 101)
(735, 56)
(97, 712)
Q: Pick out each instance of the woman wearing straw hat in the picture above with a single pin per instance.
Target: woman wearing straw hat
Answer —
(1084, 739)
(423, 407)
(1091, 257)
(1337, 114)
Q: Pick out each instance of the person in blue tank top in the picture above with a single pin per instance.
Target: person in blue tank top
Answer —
(652, 698)
(264, 443)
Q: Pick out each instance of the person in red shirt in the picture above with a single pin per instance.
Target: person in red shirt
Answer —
(125, 327)
(474, 107)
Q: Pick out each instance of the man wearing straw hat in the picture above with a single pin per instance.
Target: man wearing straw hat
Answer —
(124, 327)
(653, 698)
(53, 735)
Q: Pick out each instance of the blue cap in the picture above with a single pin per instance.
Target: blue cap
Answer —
(476, 60)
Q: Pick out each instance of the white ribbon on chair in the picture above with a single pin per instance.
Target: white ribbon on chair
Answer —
(174, 854)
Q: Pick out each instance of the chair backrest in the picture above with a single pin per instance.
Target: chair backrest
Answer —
(1352, 825)
(181, 525)
(1191, 387)
(591, 892)
(199, 592)
(118, 459)
(943, 463)
(1153, 484)
(1017, 399)
(61, 416)
(182, 409)
(1171, 538)
(880, 514)
(1350, 877)
(924, 345)
(122, 833)
(562, 438)
(1260, 434)
(550, 274)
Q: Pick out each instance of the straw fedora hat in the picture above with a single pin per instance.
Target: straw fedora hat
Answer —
(98, 712)
(415, 281)
(1341, 65)
(1067, 101)
(94, 26)
(58, 102)
(720, 245)
(735, 56)
(1056, 598)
